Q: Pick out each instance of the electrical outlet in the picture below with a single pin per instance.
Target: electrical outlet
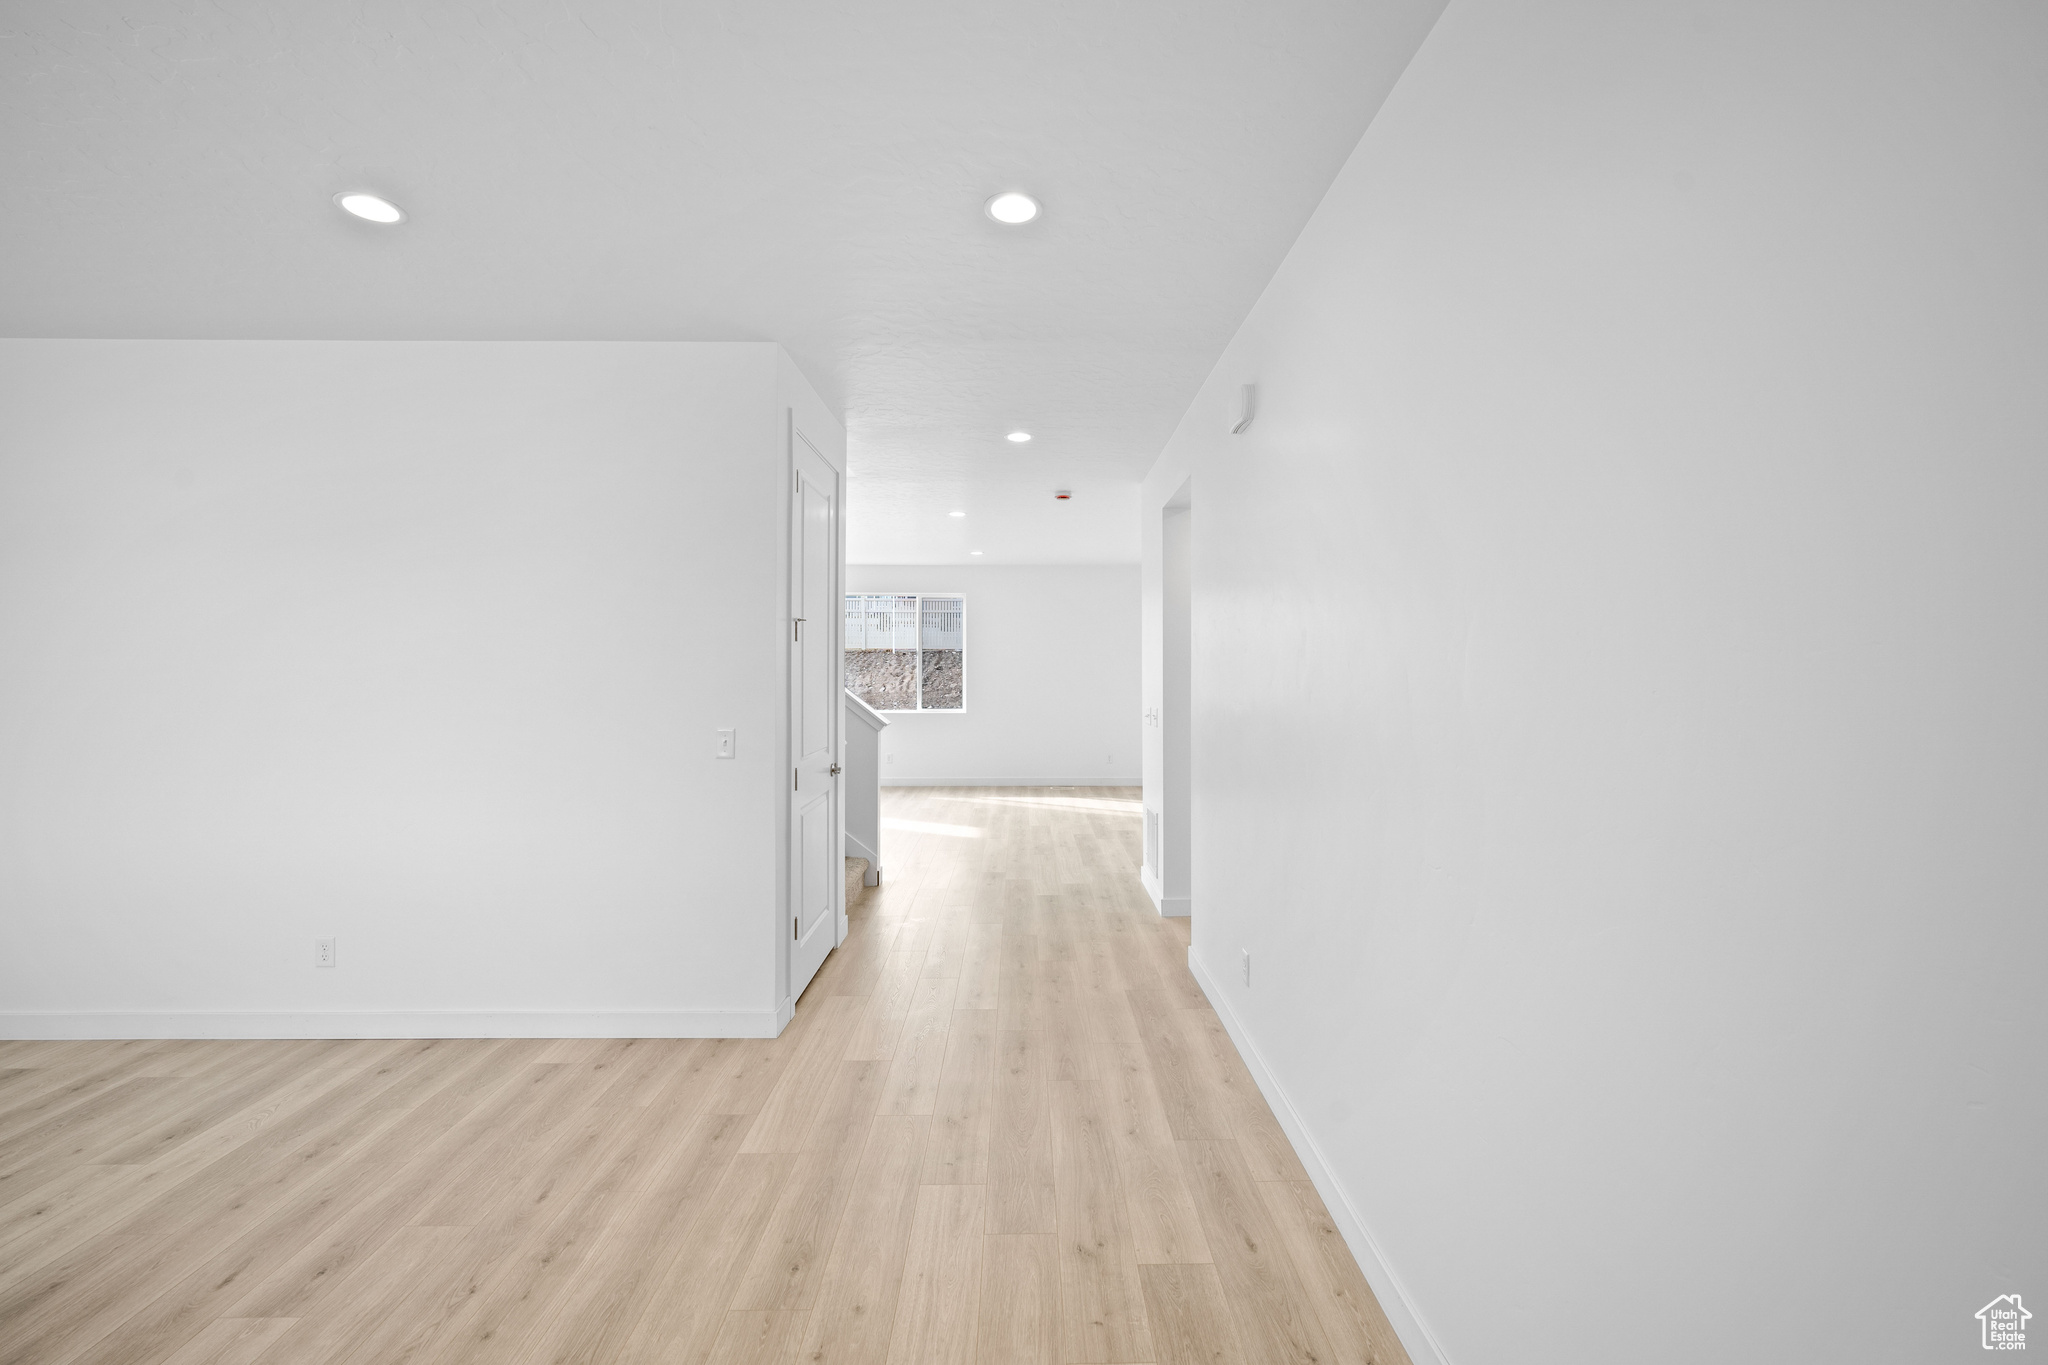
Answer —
(1246, 954)
(888, 758)
(323, 952)
(727, 744)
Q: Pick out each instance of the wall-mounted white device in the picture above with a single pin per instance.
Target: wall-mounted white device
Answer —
(725, 744)
(1247, 408)
(323, 952)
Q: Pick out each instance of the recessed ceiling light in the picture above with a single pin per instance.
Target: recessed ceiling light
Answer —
(974, 552)
(956, 514)
(370, 207)
(1020, 437)
(1012, 208)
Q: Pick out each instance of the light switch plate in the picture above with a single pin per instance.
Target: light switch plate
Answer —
(727, 746)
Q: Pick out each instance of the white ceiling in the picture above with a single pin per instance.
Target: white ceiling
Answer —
(804, 172)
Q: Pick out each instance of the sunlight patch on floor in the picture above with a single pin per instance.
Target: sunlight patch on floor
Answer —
(1102, 805)
(929, 827)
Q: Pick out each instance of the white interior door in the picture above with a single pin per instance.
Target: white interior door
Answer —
(817, 608)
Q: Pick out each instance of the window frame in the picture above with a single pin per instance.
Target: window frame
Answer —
(917, 674)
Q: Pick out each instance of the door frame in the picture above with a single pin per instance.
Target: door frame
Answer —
(835, 624)
(1174, 870)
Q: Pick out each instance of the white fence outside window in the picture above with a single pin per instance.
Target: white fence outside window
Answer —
(907, 651)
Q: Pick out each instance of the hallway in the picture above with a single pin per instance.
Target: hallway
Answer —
(1138, 1200)
(1004, 1128)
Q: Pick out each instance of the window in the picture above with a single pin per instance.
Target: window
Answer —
(907, 651)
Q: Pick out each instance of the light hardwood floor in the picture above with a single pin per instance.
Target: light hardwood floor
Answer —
(1005, 1128)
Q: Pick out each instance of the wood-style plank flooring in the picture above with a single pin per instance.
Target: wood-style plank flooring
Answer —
(1005, 1128)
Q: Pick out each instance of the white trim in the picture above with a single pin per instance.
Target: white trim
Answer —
(856, 849)
(1402, 1314)
(35, 1024)
(1010, 781)
(1169, 907)
(860, 710)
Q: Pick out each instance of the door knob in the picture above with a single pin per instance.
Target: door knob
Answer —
(834, 770)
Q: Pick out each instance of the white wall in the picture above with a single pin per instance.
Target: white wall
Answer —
(1620, 663)
(1052, 677)
(396, 643)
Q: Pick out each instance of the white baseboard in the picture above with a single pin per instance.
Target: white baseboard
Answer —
(1422, 1345)
(1169, 907)
(1011, 781)
(398, 1024)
